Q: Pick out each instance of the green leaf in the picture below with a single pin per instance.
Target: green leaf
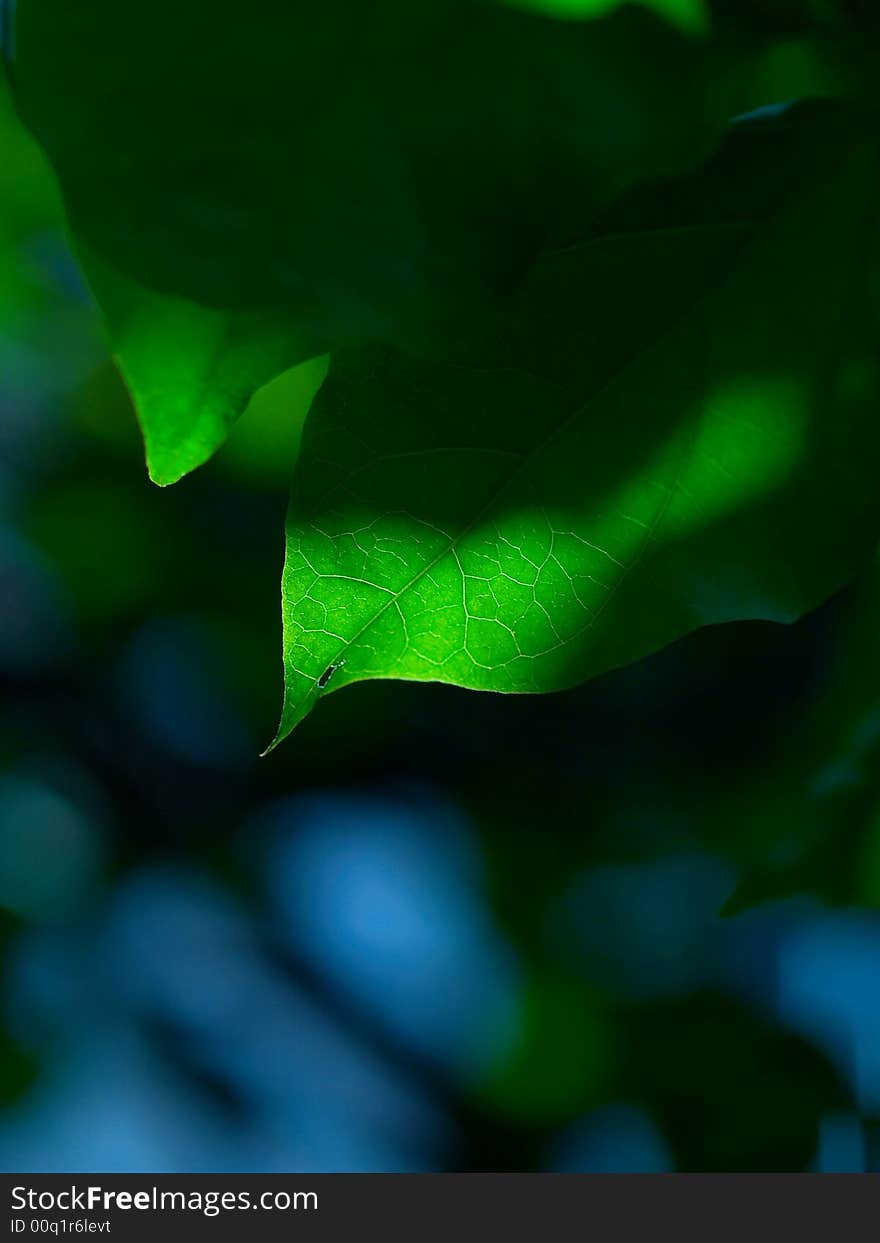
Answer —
(341, 173)
(191, 370)
(252, 185)
(364, 166)
(669, 425)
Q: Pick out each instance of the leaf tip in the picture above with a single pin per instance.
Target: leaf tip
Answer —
(162, 476)
(294, 711)
(280, 734)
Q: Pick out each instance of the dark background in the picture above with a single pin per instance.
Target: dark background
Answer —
(632, 927)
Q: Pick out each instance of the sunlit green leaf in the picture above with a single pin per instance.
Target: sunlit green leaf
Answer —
(671, 425)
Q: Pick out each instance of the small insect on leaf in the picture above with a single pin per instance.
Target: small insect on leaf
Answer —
(328, 674)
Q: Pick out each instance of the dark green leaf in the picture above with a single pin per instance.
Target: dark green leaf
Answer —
(337, 173)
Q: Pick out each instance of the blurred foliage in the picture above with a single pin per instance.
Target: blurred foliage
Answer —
(628, 926)
(690, 15)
